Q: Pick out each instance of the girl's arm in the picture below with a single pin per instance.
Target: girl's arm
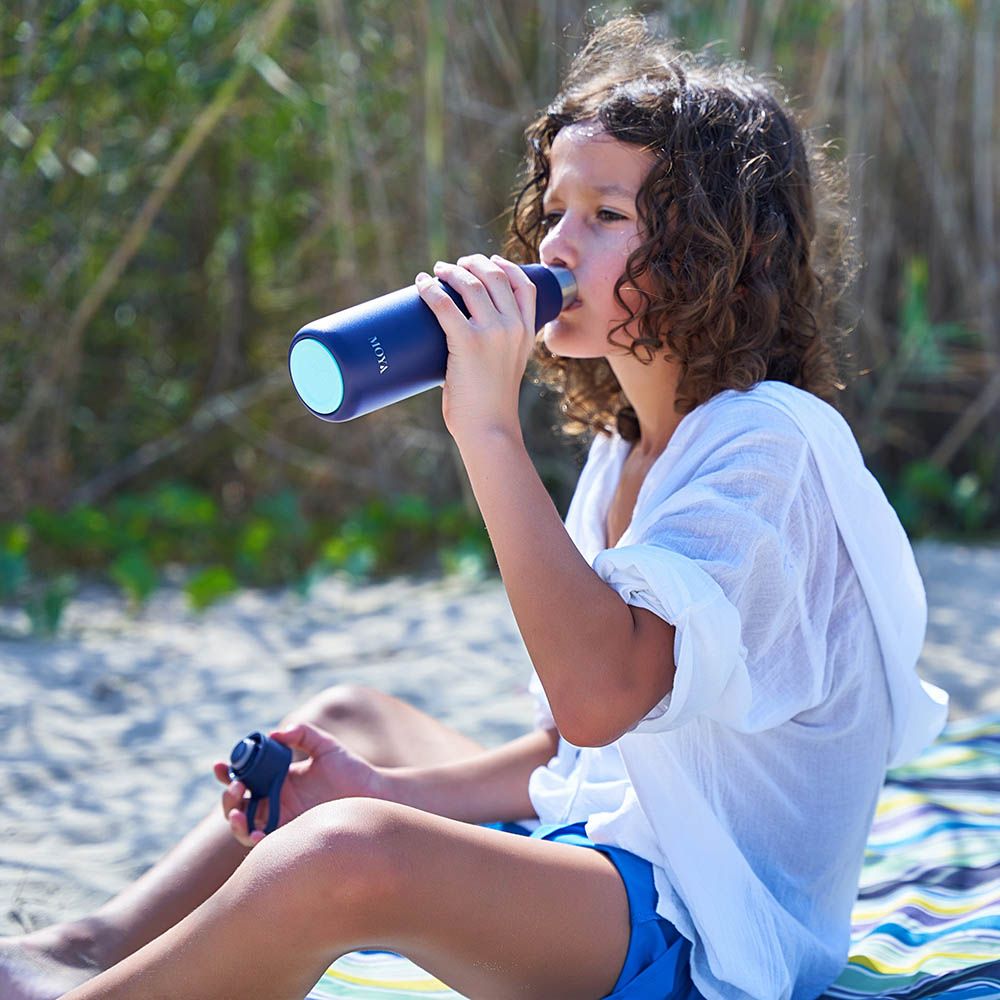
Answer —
(602, 663)
(490, 786)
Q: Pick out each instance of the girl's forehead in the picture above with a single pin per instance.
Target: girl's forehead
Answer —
(582, 135)
(586, 150)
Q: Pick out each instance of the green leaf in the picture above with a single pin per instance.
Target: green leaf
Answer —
(209, 585)
(413, 512)
(14, 539)
(469, 559)
(970, 502)
(256, 538)
(176, 505)
(927, 481)
(135, 574)
(45, 608)
(283, 512)
(13, 574)
(353, 554)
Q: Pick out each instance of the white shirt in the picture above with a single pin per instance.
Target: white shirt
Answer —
(799, 614)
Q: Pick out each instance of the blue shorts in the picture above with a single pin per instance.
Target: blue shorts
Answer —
(657, 965)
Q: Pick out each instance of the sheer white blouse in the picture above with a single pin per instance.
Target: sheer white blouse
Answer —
(800, 614)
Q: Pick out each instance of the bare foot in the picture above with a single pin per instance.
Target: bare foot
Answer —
(40, 967)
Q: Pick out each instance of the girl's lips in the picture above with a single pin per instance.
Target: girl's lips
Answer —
(575, 305)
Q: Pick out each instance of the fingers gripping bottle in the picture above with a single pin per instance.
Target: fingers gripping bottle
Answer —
(377, 353)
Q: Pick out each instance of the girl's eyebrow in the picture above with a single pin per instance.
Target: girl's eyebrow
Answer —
(613, 189)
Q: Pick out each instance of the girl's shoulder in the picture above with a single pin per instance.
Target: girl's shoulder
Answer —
(775, 410)
(768, 397)
(767, 410)
(769, 417)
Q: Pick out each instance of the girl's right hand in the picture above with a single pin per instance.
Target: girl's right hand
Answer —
(329, 771)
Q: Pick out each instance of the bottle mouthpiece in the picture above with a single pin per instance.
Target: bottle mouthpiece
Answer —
(567, 284)
(242, 753)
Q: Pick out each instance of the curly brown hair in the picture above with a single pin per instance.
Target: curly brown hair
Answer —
(744, 281)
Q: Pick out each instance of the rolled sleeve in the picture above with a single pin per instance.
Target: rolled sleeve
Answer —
(737, 550)
(711, 675)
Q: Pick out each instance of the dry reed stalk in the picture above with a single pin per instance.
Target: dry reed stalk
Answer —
(338, 143)
(378, 206)
(434, 127)
(985, 178)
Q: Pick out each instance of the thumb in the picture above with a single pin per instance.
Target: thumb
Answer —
(307, 738)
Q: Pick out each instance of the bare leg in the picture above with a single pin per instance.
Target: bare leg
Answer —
(491, 914)
(386, 730)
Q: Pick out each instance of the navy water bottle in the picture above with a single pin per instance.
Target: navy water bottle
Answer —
(370, 355)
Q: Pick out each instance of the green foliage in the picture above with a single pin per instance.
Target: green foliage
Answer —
(275, 542)
(930, 500)
(924, 344)
(382, 536)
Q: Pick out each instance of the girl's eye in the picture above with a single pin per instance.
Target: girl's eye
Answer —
(549, 219)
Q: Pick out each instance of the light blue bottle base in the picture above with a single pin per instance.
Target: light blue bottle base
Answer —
(316, 376)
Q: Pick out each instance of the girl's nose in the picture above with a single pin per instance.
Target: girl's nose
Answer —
(557, 248)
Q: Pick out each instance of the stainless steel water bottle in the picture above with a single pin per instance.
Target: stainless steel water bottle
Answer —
(370, 355)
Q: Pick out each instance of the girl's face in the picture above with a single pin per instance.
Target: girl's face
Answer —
(592, 225)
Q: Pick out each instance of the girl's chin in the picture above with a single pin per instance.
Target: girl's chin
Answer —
(568, 343)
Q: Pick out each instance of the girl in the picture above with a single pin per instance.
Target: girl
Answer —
(723, 632)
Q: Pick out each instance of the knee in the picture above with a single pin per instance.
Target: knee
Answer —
(346, 851)
(337, 704)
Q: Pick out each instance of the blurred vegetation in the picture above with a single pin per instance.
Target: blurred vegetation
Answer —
(185, 183)
(136, 539)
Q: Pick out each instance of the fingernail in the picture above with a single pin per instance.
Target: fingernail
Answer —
(423, 276)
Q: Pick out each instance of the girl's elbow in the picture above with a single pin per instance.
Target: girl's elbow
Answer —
(604, 719)
(608, 716)
(586, 725)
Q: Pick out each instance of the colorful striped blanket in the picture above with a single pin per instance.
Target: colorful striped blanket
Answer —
(927, 919)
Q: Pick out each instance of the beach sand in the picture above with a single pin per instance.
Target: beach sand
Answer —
(108, 732)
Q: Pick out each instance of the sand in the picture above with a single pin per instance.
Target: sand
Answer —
(108, 731)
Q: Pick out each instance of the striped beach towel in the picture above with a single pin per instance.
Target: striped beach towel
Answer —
(927, 919)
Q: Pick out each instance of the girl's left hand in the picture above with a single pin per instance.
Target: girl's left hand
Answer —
(489, 351)
(327, 771)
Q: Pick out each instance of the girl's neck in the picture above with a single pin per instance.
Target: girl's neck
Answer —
(651, 391)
